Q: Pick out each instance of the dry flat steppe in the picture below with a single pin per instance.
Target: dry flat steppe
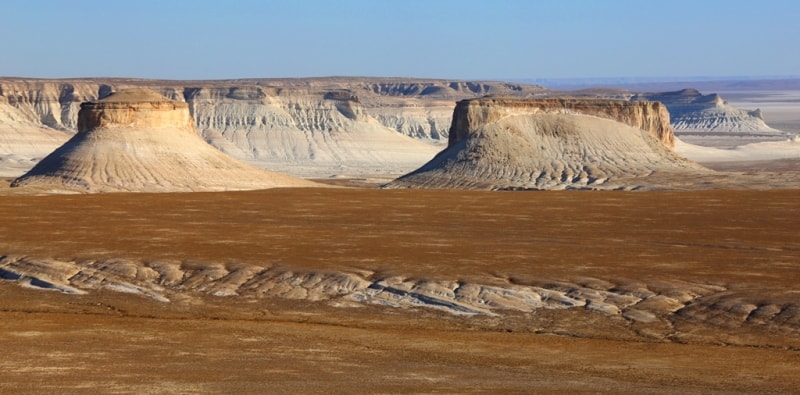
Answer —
(385, 291)
(305, 289)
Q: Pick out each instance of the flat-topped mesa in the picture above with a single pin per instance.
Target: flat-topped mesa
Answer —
(138, 108)
(554, 143)
(470, 114)
(140, 141)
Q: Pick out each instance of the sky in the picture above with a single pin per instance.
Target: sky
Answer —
(464, 39)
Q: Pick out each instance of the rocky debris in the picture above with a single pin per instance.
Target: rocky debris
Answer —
(137, 140)
(668, 304)
(554, 143)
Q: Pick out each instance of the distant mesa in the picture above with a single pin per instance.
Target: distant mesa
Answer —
(139, 141)
(691, 111)
(553, 143)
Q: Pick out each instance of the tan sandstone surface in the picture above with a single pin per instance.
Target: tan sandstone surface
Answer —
(137, 140)
(335, 290)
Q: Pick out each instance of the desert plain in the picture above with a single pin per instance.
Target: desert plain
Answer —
(356, 289)
(723, 254)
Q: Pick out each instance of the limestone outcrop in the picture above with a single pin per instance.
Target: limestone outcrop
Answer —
(506, 143)
(134, 108)
(139, 141)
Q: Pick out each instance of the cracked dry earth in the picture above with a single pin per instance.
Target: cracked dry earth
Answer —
(359, 290)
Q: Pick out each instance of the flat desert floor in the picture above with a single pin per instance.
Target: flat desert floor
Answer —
(422, 292)
(780, 107)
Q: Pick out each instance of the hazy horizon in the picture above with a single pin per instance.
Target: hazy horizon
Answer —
(502, 40)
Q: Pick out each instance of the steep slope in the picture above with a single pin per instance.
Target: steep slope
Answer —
(308, 133)
(24, 142)
(137, 140)
(36, 117)
(551, 144)
(691, 111)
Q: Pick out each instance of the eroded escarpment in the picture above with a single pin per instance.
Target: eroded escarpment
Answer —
(660, 310)
(139, 141)
(506, 143)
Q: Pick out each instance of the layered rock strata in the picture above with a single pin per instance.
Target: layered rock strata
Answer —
(315, 127)
(137, 140)
(500, 143)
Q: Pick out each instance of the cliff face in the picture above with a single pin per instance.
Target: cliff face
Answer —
(502, 143)
(51, 103)
(134, 109)
(653, 117)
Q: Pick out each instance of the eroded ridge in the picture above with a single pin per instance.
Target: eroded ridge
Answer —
(671, 304)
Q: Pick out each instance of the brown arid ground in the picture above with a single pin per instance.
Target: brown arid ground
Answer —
(387, 291)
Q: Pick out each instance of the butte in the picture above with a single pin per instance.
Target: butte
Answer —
(139, 141)
(555, 143)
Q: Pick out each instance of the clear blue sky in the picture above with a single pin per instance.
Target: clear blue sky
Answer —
(497, 39)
